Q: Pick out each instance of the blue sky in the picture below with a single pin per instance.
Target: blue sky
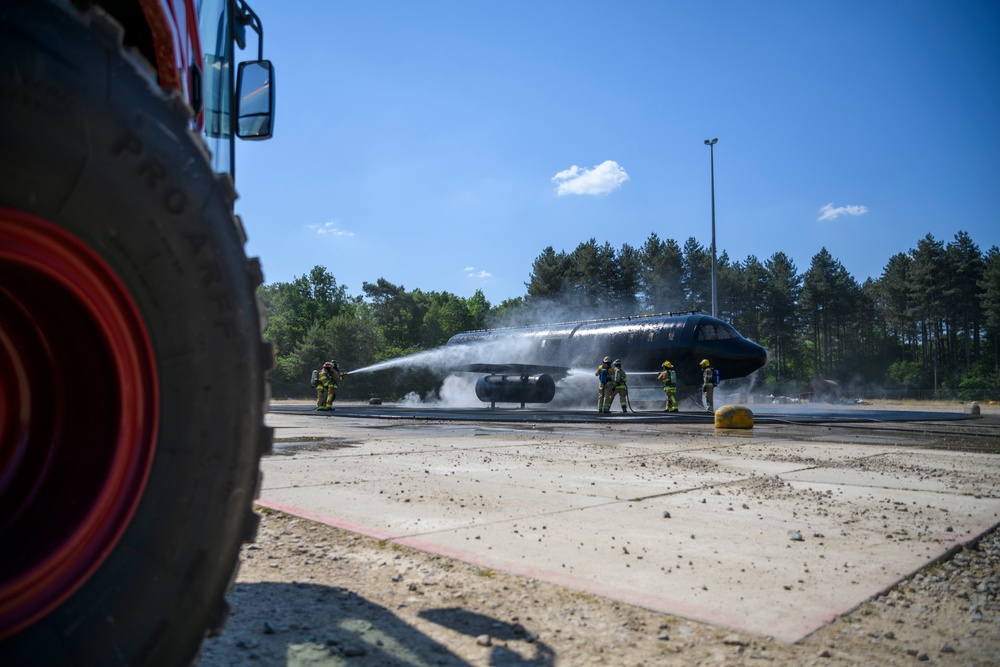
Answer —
(444, 145)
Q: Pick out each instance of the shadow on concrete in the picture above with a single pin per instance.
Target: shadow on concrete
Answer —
(295, 624)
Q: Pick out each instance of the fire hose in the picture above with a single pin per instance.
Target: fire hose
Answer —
(628, 401)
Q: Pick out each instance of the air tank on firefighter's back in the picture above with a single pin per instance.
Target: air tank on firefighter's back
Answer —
(516, 388)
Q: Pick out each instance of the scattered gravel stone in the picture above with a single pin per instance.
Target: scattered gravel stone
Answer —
(305, 590)
(353, 650)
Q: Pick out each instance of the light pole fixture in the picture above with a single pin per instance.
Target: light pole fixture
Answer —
(711, 148)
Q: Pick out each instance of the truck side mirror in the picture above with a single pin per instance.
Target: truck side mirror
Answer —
(255, 100)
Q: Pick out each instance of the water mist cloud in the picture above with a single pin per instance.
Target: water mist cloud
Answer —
(459, 388)
(828, 212)
(502, 350)
(602, 179)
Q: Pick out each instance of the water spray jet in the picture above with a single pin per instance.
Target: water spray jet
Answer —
(515, 359)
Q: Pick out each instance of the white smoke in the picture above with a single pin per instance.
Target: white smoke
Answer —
(411, 400)
(459, 391)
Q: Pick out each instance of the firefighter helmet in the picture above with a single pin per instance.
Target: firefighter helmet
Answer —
(705, 363)
(607, 360)
(667, 364)
(328, 365)
(618, 362)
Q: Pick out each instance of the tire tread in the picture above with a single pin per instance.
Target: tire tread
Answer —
(107, 32)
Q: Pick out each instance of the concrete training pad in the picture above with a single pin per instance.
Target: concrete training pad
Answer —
(584, 506)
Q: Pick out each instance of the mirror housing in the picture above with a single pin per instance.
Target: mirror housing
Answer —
(255, 100)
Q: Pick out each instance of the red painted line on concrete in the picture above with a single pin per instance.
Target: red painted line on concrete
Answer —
(323, 518)
(673, 606)
(790, 629)
(654, 602)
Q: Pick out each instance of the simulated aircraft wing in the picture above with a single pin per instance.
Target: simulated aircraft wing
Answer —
(513, 369)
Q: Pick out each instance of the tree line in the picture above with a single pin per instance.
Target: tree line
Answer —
(928, 326)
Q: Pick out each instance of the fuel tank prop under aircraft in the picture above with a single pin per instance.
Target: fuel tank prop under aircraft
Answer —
(642, 343)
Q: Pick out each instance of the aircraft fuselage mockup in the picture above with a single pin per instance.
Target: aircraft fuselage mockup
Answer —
(642, 343)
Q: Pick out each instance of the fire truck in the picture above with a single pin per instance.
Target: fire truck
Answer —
(132, 368)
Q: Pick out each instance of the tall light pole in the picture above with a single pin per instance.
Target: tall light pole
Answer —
(711, 149)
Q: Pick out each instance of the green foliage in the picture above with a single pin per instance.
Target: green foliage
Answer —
(931, 321)
(446, 316)
(973, 388)
(508, 313)
(286, 379)
(980, 384)
(662, 270)
(989, 286)
(696, 279)
(906, 374)
(292, 308)
(548, 274)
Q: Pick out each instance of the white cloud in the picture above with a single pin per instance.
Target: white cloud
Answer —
(331, 229)
(600, 180)
(472, 272)
(828, 212)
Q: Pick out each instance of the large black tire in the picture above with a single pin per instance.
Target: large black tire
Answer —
(132, 371)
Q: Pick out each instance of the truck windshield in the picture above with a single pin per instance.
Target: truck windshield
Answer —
(213, 18)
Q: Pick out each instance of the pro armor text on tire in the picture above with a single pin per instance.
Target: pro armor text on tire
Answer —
(132, 386)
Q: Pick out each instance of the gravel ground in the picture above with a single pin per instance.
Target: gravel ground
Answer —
(309, 594)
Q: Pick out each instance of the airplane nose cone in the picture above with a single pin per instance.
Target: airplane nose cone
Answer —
(754, 358)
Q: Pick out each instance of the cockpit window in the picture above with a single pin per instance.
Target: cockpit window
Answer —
(720, 331)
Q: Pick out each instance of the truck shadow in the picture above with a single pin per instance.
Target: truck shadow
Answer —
(291, 624)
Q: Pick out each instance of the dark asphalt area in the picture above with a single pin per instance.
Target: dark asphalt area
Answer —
(762, 414)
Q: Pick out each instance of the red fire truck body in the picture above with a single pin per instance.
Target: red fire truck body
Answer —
(132, 369)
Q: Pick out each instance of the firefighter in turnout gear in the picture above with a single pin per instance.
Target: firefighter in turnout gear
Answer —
(617, 386)
(603, 374)
(669, 379)
(709, 378)
(326, 385)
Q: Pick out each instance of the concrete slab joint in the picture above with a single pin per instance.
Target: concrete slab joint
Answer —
(776, 533)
